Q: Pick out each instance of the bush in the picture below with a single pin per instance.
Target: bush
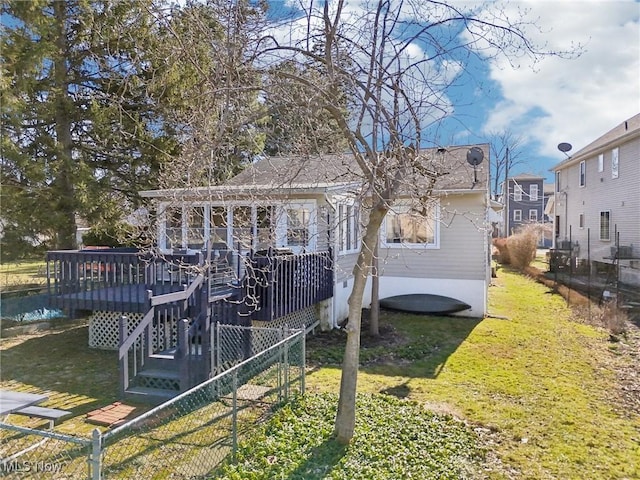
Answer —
(522, 248)
(502, 250)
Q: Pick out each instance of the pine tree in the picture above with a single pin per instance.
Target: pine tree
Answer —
(80, 135)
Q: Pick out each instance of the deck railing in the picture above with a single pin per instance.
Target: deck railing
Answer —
(123, 279)
(280, 284)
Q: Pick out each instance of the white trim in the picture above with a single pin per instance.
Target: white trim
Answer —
(398, 209)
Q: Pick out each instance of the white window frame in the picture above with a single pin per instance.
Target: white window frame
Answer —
(601, 163)
(607, 214)
(582, 181)
(312, 225)
(581, 220)
(533, 215)
(517, 192)
(615, 162)
(348, 228)
(533, 192)
(558, 181)
(517, 215)
(403, 208)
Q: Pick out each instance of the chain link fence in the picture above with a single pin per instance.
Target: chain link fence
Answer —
(184, 438)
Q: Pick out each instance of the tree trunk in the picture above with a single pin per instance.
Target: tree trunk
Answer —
(374, 320)
(346, 416)
(66, 208)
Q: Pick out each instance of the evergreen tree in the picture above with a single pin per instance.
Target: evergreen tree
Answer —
(80, 135)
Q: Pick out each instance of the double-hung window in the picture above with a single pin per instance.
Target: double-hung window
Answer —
(533, 193)
(533, 215)
(517, 215)
(583, 173)
(517, 192)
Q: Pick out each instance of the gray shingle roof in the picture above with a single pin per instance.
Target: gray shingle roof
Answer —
(628, 127)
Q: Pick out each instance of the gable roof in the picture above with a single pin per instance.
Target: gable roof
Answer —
(617, 135)
(449, 163)
(322, 173)
(526, 176)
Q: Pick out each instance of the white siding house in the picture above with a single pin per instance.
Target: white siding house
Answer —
(315, 203)
(597, 200)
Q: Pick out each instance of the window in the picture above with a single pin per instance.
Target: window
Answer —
(601, 162)
(583, 173)
(174, 227)
(517, 215)
(298, 221)
(218, 228)
(416, 226)
(533, 215)
(195, 227)
(348, 228)
(242, 227)
(265, 224)
(614, 162)
(517, 192)
(557, 181)
(581, 220)
(605, 225)
(533, 192)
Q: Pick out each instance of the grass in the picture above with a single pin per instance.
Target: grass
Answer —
(533, 389)
(537, 379)
(22, 275)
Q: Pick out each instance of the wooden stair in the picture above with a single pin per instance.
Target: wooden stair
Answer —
(160, 378)
(158, 381)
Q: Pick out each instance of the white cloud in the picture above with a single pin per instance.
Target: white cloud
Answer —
(573, 100)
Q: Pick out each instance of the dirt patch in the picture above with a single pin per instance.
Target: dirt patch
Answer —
(389, 337)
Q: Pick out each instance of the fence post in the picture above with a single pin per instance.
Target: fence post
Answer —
(124, 357)
(303, 361)
(280, 357)
(286, 362)
(96, 455)
(234, 414)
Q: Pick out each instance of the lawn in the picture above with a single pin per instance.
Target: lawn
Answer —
(530, 392)
(22, 275)
(537, 386)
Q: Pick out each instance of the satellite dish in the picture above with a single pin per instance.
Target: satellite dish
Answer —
(475, 155)
(564, 147)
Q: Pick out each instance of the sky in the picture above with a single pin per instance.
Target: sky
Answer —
(573, 100)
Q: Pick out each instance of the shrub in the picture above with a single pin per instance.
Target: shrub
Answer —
(502, 250)
(522, 248)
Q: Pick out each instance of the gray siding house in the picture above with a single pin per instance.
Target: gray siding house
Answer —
(597, 201)
(313, 203)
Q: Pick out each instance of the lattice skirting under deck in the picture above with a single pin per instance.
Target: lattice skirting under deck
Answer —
(104, 329)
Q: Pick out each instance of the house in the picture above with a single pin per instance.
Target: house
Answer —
(597, 202)
(277, 245)
(313, 204)
(524, 202)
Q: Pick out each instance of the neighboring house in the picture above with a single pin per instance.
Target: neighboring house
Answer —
(597, 201)
(282, 238)
(524, 203)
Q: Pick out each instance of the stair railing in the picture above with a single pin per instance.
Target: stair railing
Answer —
(138, 345)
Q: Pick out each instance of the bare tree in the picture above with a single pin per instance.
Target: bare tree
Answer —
(396, 59)
(507, 152)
